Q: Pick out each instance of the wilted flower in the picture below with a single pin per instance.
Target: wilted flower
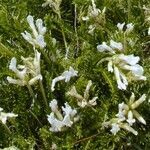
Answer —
(83, 100)
(31, 68)
(66, 75)
(38, 31)
(57, 120)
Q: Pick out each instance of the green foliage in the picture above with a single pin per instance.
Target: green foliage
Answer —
(30, 130)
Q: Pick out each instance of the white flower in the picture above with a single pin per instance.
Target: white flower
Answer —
(130, 27)
(120, 26)
(104, 47)
(66, 75)
(59, 121)
(56, 125)
(116, 45)
(86, 18)
(93, 11)
(125, 69)
(83, 101)
(28, 73)
(68, 110)
(115, 128)
(91, 29)
(121, 113)
(130, 119)
(128, 110)
(53, 105)
(4, 116)
(121, 79)
(38, 32)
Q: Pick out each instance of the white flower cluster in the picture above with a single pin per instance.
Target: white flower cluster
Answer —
(83, 101)
(57, 120)
(66, 75)
(4, 116)
(129, 27)
(127, 116)
(38, 31)
(31, 68)
(125, 67)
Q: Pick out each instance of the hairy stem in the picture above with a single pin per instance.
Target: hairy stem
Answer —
(76, 33)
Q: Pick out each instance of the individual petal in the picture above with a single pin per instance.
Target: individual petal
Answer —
(130, 59)
(121, 85)
(132, 99)
(41, 29)
(130, 27)
(73, 92)
(116, 45)
(93, 101)
(27, 36)
(67, 121)
(130, 119)
(110, 68)
(56, 125)
(68, 74)
(139, 101)
(139, 117)
(115, 128)
(86, 93)
(30, 21)
(55, 80)
(85, 18)
(36, 62)
(53, 105)
(35, 79)
(14, 81)
(104, 47)
(120, 26)
(82, 103)
(128, 128)
(68, 110)
(40, 41)
(12, 65)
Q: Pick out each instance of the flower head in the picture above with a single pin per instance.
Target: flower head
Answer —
(125, 68)
(66, 75)
(38, 31)
(28, 73)
(4, 116)
(83, 101)
(60, 120)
